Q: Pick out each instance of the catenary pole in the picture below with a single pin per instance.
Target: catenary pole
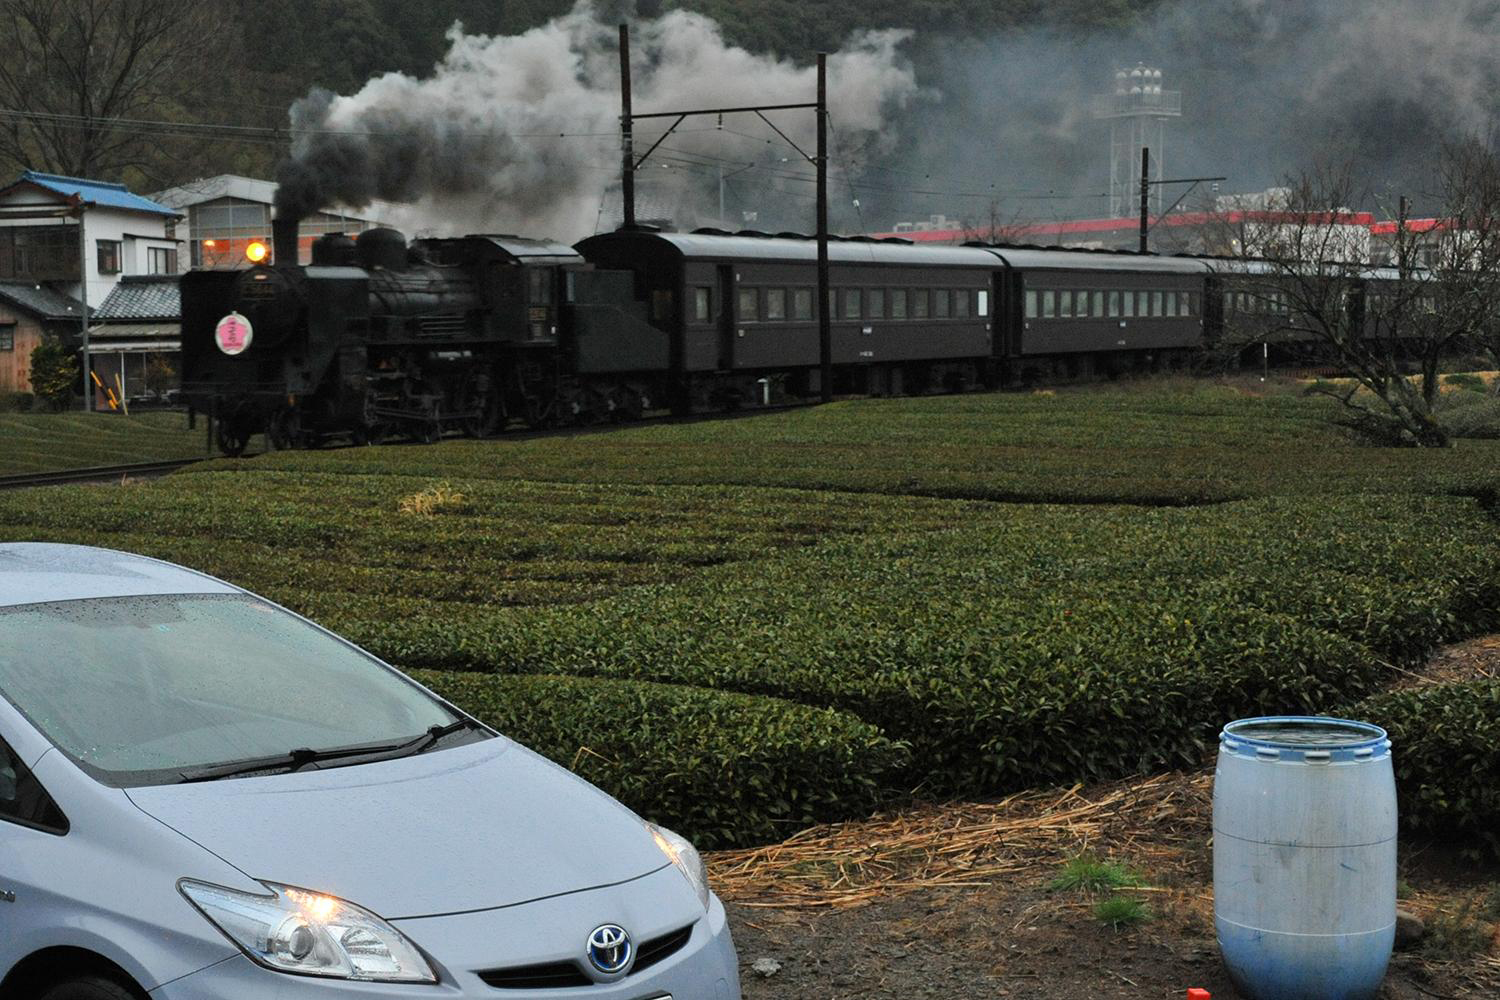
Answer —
(627, 132)
(825, 305)
(1145, 195)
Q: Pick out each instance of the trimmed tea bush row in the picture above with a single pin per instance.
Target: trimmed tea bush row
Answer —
(1446, 749)
(44, 442)
(1169, 445)
(723, 769)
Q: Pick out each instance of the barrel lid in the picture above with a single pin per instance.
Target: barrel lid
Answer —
(1305, 738)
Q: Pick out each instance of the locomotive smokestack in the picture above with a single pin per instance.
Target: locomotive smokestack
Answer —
(284, 240)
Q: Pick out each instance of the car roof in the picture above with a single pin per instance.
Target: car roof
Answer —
(38, 572)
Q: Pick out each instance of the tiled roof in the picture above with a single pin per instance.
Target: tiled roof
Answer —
(142, 296)
(96, 192)
(40, 300)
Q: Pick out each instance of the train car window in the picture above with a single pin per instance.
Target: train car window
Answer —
(961, 301)
(661, 305)
(875, 303)
(749, 305)
(775, 303)
(1156, 304)
(1049, 304)
(1098, 304)
(940, 303)
(1031, 304)
(802, 303)
(703, 301)
(898, 303)
(1169, 304)
(541, 285)
(983, 303)
(1114, 303)
(1127, 304)
(919, 303)
(1065, 305)
(851, 302)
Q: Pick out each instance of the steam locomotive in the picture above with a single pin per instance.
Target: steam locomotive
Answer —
(379, 337)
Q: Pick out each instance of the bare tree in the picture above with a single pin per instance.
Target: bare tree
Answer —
(997, 226)
(1308, 287)
(77, 67)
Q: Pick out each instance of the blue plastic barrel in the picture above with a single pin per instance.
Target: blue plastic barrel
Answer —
(1305, 857)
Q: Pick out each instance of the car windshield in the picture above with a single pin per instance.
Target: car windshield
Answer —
(138, 689)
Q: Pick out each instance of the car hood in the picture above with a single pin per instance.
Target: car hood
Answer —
(472, 827)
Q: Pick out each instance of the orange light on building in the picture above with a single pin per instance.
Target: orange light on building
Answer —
(209, 243)
(256, 252)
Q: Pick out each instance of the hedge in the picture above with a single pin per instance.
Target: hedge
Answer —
(722, 769)
(1446, 748)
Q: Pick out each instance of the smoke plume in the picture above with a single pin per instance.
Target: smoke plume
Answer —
(521, 133)
(1268, 87)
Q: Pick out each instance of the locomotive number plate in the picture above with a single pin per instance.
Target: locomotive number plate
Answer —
(538, 314)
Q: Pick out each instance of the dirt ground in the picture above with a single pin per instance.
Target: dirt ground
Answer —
(953, 901)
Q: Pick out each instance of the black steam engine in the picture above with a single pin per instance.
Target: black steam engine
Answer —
(378, 337)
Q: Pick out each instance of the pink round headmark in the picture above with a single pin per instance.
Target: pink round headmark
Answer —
(233, 333)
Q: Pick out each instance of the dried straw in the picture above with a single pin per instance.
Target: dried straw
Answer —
(1153, 820)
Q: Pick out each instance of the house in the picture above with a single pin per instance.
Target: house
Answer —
(135, 337)
(70, 240)
(226, 213)
(28, 312)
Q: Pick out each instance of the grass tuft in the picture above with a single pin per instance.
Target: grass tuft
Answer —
(1087, 873)
(1121, 911)
(439, 498)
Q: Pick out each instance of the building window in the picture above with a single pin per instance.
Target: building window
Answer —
(898, 303)
(161, 260)
(702, 304)
(109, 256)
(749, 305)
(802, 303)
(8, 337)
(776, 303)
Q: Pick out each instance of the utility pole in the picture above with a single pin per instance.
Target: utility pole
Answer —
(1145, 195)
(825, 306)
(83, 297)
(627, 132)
(1401, 246)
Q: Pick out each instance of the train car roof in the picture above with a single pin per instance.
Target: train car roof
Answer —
(531, 251)
(712, 246)
(1063, 259)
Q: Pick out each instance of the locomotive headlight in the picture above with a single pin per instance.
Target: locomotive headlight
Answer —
(256, 252)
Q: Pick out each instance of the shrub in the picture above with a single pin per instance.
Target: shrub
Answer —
(723, 769)
(1446, 749)
(1468, 381)
(54, 373)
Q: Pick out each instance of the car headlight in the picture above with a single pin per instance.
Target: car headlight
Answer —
(293, 930)
(685, 856)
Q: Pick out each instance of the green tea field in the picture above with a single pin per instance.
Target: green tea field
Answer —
(49, 442)
(744, 626)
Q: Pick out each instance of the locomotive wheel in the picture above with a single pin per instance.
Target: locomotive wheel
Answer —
(491, 418)
(233, 438)
(284, 432)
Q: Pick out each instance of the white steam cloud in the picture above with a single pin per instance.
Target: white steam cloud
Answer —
(520, 134)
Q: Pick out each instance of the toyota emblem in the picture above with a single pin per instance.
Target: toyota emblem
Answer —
(610, 950)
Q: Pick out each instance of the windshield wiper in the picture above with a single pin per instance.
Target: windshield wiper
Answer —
(295, 760)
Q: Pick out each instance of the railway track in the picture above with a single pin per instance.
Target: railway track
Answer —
(96, 474)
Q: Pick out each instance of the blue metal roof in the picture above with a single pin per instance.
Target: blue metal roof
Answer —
(96, 192)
